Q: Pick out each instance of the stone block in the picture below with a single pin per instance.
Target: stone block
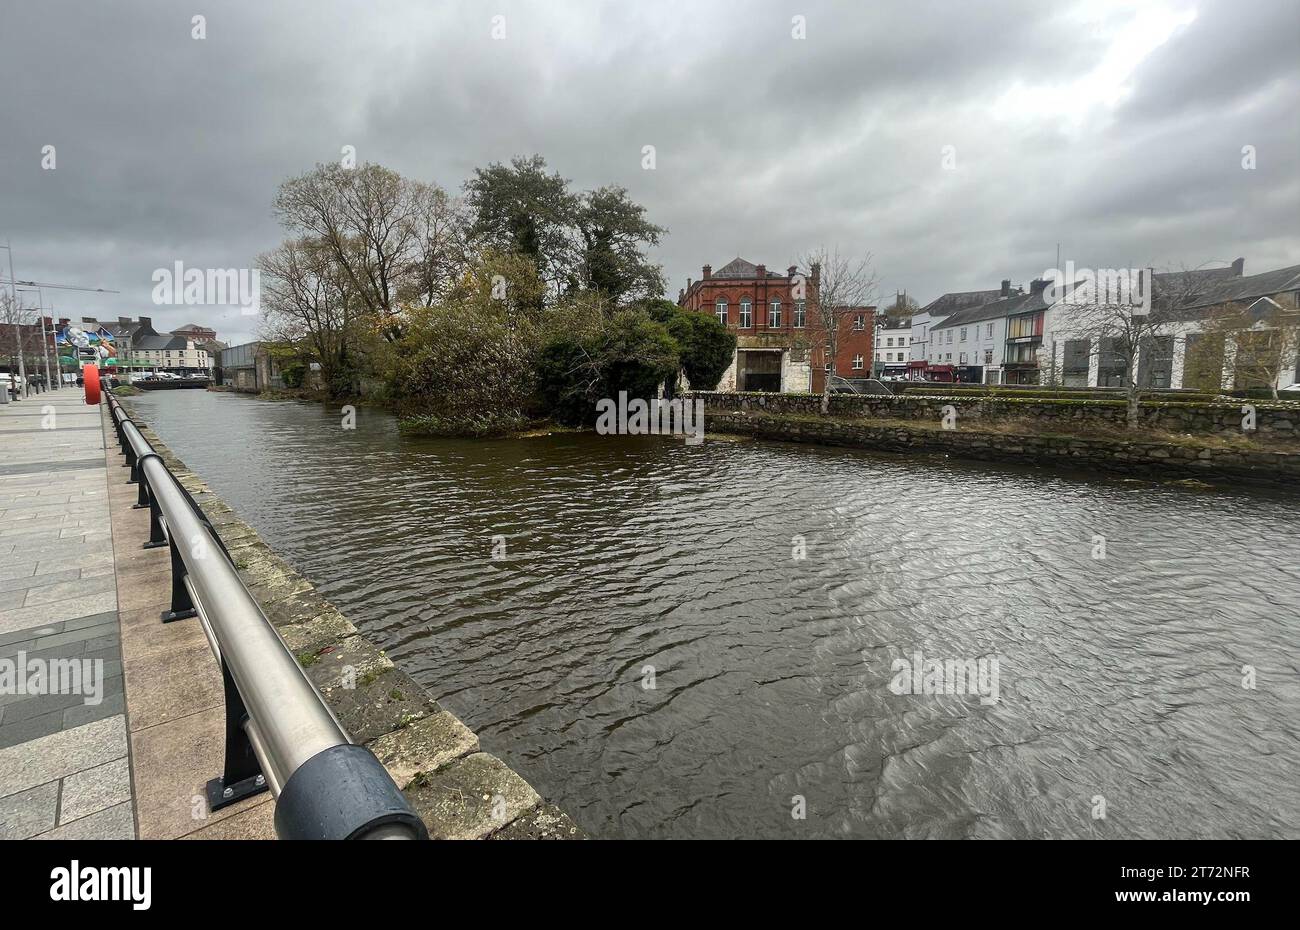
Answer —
(471, 798)
(424, 746)
(544, 822)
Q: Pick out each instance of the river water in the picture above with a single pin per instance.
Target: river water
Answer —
(651, 654)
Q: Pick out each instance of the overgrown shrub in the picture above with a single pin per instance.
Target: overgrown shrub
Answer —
(593, 356)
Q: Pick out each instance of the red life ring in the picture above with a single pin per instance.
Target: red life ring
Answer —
(90, 374)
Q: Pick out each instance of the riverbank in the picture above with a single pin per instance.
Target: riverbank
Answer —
(1168, 456)
(623, 620)
(459, 791)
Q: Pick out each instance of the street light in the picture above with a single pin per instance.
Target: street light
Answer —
(18, 332)
(45, 342)
(13, 283)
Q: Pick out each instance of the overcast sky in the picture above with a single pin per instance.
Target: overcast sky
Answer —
(1114, 129)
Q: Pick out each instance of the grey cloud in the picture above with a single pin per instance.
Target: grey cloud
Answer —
(171, 149)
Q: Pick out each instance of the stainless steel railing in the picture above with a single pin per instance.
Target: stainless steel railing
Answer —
(280, 735)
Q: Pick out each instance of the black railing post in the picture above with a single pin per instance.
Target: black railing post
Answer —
(241, 775)
(182, 605)
(156, 535)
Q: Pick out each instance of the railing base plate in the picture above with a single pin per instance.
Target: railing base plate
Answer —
(171, 616)
(218, 797)
(154, 545)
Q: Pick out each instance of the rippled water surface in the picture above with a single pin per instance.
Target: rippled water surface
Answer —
(1119, 677)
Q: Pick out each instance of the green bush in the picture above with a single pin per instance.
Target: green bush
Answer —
(468, 366)
(598, 357)
(293, 374)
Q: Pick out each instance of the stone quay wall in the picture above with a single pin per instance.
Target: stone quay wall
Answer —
(1157, 459)
(1273, 419)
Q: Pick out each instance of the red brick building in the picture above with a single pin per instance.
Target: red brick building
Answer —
(780, 343)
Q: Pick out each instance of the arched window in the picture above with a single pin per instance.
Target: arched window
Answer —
(774, 313)
(721, 309)
(746, 313)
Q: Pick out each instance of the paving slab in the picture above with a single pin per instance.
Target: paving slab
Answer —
(29, 812)
(64, 766)
(115, 823)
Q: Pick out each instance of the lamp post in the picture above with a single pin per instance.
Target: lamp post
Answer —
(45, 341)
(18, 331)
(13, 285)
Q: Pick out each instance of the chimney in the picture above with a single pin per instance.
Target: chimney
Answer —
(1239, 267)
(762, 272)
(1038, 285)
(791, 271)
(688, 284)
(681, 295)
(1006, 287)
(816, 275)
(124, 321)
(708, 272)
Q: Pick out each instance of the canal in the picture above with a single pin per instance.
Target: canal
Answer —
(632, 562)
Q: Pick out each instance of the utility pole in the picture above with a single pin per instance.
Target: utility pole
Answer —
(45, 341)
(36, 285)
(18, 330)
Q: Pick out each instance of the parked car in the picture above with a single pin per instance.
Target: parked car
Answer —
(859, 386)
(9, 383)
(1291, 390)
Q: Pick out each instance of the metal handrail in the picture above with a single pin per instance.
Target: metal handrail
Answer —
(280, 734)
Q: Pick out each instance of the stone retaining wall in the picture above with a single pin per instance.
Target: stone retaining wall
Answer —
(1274, 419)
(459, 791)
(1163, 459)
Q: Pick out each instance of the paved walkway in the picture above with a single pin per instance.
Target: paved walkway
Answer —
(64, 766)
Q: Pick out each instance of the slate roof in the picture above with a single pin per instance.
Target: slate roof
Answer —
(1211, 288)
(155, 342)
(958, 300)
(740, 268)
(1006, 306)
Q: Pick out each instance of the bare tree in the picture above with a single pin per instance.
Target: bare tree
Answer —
(369, 220)
(1267, 337)
(309, 299)
(19, 338)
(440, 249)
(1109, 310)
(840, 286)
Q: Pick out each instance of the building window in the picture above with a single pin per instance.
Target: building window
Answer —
(774, 314)
(800, 314)
(746, 313)
(858, 322)
(949, 338)
(989, 333)
(961, 359)
(721, 309)
(962, 337)
(889, 340)
(988, 356)
(857, 363)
